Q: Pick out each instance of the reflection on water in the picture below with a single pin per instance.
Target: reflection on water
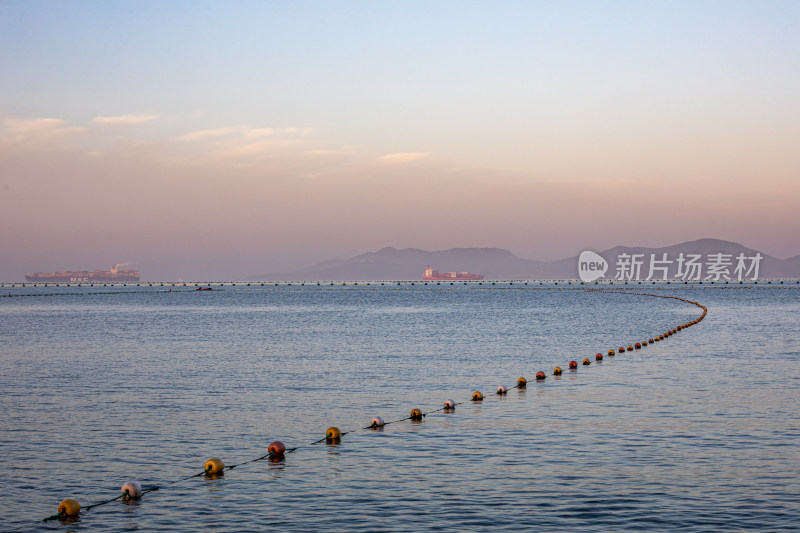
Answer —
(698, 432)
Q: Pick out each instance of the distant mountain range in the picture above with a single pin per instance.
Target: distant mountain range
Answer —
(496, 263)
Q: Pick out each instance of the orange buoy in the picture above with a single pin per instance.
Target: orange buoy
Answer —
(376, 422)
(276, 448)
(416, 414)
(586, 361)
(477, 396)
(557, 371)
(611, 353)
(69, 507)
(214, 466)
(540, 375)
(598, 357)
(333, 434)
(449, 404)
(522, 383)
(637, 346)
(573, 365)
(630, 348)
(501, 390)
(621, 349)
(644, 343)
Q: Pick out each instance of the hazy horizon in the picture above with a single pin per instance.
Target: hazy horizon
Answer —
(206, 140)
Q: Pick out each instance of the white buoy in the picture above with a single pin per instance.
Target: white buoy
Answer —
(132, 491)
(376, 422)
(449, 404)
(501, 390)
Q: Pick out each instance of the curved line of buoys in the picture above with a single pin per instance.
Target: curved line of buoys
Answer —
(70, 507)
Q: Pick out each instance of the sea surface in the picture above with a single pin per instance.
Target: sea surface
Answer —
(699, 432)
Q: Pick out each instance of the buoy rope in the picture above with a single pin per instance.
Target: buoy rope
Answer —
(519, 385)
(97, 293)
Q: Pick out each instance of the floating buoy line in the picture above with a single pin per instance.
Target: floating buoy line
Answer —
(276, 451)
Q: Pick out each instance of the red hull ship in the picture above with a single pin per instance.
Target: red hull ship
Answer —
(435, 275)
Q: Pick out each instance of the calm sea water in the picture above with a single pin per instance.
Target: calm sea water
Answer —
(699, 432)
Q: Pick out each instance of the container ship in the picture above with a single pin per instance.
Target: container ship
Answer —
(435, 275)
(115, 275)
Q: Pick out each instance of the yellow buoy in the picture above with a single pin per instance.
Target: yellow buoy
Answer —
(214, 466)
(477, 396)
(416, 414)
(557, 371)
(630, 348)
(522, 383)
(333, 434)
(69, 507)
(611, 352)
(586, 361)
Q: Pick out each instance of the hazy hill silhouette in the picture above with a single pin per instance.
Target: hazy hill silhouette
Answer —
(495, 263)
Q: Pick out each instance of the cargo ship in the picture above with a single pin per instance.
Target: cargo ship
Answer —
(116, 275)
(435, 275)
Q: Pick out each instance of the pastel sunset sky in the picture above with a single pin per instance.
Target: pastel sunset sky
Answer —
(218, 140)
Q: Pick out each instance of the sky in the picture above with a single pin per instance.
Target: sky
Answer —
(219, 140)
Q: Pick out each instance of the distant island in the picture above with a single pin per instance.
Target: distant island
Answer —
(496, 263)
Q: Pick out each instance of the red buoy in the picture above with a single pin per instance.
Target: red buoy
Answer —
(573, 365)
(276, 449)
